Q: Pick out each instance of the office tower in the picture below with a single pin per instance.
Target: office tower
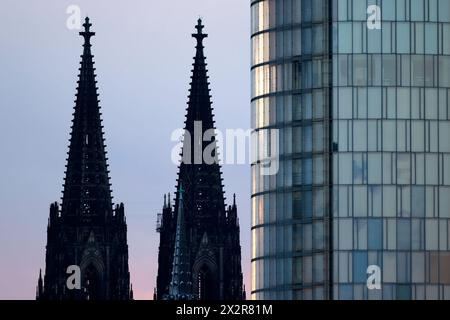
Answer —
(359, 91)
(86, 232)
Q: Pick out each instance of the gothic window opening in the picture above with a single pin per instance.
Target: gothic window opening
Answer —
(205, 284)
(92, 283)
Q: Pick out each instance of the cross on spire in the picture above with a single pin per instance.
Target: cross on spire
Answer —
(87, 34)
(199, 35)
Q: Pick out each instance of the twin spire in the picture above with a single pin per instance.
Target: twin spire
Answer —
(87, 191)
(87, 232)
(86, 187)
(181, 286)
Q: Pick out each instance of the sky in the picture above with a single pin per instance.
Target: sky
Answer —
(143, 54)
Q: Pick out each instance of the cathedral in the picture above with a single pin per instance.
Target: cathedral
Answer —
(87, 232)
(199, 251)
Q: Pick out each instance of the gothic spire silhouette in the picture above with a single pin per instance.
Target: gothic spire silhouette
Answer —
(212, 232)
(87, 232)
(201, 178)
(87, 188)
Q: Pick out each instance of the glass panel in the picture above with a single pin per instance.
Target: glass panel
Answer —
(359, 266)
(345, 234)
(403, 234)
(418, 201)
(375, 241)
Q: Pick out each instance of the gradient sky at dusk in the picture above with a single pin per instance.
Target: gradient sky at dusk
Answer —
(143, 55)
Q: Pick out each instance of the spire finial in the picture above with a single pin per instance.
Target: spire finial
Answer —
(87, 33)
(234, 199)
(199, 35)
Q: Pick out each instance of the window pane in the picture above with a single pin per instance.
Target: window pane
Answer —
(359, 266)
(375, 234)
(403, 234)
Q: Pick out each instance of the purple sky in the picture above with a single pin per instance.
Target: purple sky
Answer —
(143, 53)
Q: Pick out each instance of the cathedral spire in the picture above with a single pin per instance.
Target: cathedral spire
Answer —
(86, 188)
(199, 168)
(199, 105)
(180, 287)
(87, 231)
(202, 261)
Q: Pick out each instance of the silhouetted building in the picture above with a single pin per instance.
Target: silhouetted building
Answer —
(199, 252)
(87, 231)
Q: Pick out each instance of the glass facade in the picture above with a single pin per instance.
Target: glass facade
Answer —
(364, 139)
(291, 93)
